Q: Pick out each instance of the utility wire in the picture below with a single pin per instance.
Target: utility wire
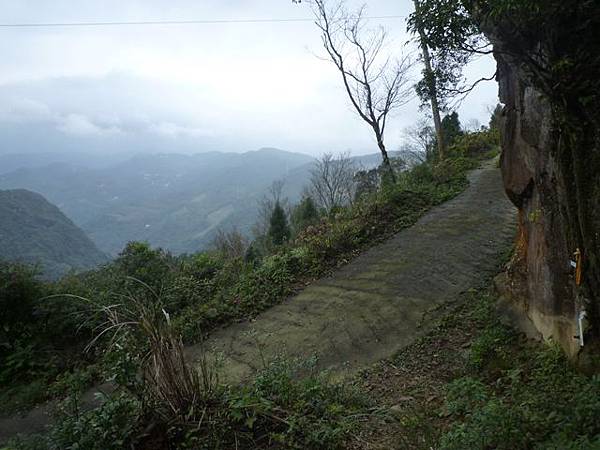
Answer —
(167, 22)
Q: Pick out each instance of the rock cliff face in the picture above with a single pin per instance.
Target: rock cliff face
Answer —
(540, 281)
(549, 84)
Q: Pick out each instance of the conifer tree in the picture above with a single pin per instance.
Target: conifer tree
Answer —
(304, 214)
(452, 128)
(279, 230)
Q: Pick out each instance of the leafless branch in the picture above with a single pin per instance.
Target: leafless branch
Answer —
(461, 94)
(332, 180)
(376, 85)
(472, 86)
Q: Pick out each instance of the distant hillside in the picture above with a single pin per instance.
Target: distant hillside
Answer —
(33, 230)
(170, 200)
(10, 162)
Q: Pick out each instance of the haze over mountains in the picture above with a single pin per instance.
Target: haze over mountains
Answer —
(170, 200)
(173, 201)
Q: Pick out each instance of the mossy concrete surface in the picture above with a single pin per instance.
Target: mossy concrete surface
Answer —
(382, 300)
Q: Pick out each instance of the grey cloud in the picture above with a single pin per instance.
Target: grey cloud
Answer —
(79, 124)
(233, 87)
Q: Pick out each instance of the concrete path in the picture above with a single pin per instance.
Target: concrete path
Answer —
(374, 306)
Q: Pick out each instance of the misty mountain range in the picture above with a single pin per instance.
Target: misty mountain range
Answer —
(170, 200)
(173, 201)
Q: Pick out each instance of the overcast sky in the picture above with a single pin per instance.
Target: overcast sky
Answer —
(186, 88)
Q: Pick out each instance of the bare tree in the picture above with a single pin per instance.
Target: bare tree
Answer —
(419, 142)
(332, 180)
(276, 189)
(376, 84)
(473, 125)
(231, 244)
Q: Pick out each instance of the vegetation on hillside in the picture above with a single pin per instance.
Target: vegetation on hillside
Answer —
(33, 231)
(174, 201)
(476, 383)
(190, 295)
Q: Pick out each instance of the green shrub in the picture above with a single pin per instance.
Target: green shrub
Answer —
(450, 170)
(75, 381)
(23, 396)
(479, 144)
(19, 291)
(491, 347)
(278, 410)
(138, 260)
(466, 394)
(493, 425)
(273, 280)
(320, 413)
(112, 426)
(421, 174)
(537, 401)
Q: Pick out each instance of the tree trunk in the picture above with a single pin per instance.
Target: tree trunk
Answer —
(431, 86)
(386, 159)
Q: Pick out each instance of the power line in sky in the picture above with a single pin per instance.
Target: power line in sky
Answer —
(170, 22)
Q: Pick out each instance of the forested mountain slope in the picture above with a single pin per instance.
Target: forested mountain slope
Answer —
(32, 230)
(173, 201)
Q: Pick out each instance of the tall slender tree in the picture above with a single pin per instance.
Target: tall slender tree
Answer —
(429, 83)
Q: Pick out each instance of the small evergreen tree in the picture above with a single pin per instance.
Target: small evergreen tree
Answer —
(279, 230)
(304, 214)
(452, 128)
(252, 255)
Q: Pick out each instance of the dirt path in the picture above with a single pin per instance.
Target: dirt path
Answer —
(378, 304)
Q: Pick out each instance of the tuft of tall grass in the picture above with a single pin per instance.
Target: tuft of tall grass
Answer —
(177, 391)
(188, 407)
